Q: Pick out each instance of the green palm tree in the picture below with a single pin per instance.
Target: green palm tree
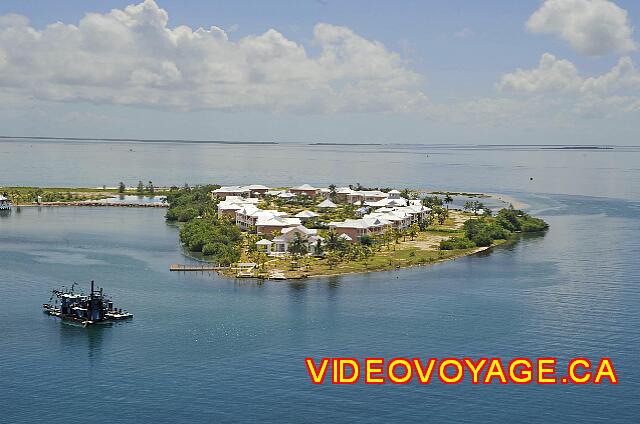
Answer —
(298, 247)
(448, 199)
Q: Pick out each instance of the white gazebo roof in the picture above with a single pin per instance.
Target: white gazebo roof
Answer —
(327, 204)
(345, 237)
(264, 242)
(306, 214)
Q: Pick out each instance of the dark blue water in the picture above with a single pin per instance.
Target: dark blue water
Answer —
(206, 349)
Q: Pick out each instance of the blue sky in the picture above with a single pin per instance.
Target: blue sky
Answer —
(440, 72)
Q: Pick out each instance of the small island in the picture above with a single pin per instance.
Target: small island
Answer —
(88, 196)
(255, 231)
(287, 233)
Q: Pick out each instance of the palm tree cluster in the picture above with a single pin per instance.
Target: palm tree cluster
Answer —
(474, 206)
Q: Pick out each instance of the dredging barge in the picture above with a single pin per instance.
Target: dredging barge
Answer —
(78, 308)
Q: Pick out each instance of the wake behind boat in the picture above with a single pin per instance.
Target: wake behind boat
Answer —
(78, 308)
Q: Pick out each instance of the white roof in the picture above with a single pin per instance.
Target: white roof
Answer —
(264, 242)
(345, 237)
(306, 214)
(2, 197)
(237, 200)
(388, 216)
(289, 232)
(373, 193)
(327, 204)
(387, 202)
(224, 206)
(376, 221)
(350, 223)
(299, 229)
(249, 209)
(417, 208)
(285, 195)
(231, 189)
(394, 191)
(256, 187)
(276, 221)
(304, 187)
(344, 190)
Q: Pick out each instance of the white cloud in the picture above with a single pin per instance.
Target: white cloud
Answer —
(133, 57)
(550, 75)
(557, 80)
(591, 27)
(623, 77)
(559, 75)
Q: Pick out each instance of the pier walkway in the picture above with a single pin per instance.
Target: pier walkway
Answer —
(195, 267)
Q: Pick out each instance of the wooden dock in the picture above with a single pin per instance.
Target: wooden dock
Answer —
(195, 268)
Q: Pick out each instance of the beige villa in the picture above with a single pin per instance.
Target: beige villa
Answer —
(280, 244)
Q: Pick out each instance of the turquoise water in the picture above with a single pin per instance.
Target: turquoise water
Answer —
(206, 349)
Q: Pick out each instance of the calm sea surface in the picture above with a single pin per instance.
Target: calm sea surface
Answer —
(206, 349)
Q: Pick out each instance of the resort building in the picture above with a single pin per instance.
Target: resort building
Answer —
(232, 204)
(288, 235)
(267, 223)
(356, 228)
(381, 220)
(223, 192)
(250, 218)
(387, 202)
(305, 190)
(257, 190)
(286, 195)
(394, 194)
(348, 195)
(325, 192)
(378, 212)
(254, 190)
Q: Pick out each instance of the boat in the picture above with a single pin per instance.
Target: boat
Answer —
(5, 204)
(78, 308)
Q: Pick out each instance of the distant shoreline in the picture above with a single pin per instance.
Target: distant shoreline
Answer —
(137, 140)
(322, 143)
